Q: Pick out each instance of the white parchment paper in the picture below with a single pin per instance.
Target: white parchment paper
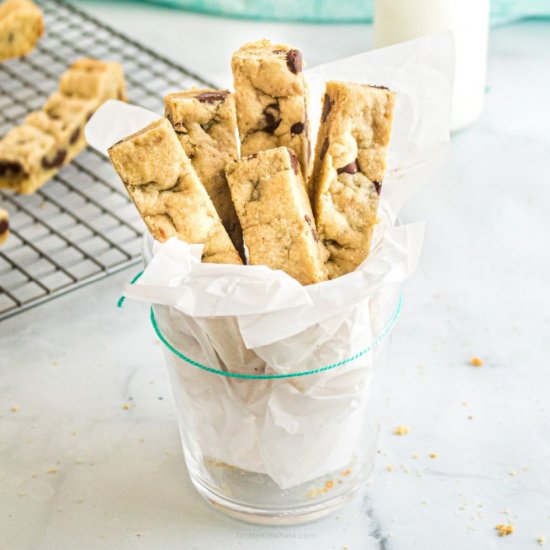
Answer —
(254, 320)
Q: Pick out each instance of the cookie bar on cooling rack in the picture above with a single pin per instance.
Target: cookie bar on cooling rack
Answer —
(94, 79)
(4, 226)
(21, 26)
(167, 192)
(31, 154)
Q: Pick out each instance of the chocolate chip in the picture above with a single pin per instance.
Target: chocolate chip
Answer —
(350, 168)
(377, 186)
(179, 127)
(9, 167)
(329, 243)
(327, 106)
(56, 162)
(52, 114)
(379, 87)
(294, 61)
(206, 127)
(74, 136)
(4, 226)
(313, 232)
(278, 51)
(298, 128)
(293, 161)
(212, 97)
(272, 116)
(324, 149)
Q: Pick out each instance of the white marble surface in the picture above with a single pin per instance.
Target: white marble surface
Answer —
(482, 289)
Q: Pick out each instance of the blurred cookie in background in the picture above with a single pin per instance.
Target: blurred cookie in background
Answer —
(4, 226)
(21, 26)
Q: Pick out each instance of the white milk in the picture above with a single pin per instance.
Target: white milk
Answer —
(400, 20)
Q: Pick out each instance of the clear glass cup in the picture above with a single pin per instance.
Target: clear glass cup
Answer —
(276, 445)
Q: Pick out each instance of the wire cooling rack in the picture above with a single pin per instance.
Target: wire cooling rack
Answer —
(80, 226)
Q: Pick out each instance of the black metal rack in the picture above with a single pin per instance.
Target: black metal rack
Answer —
(80, 226)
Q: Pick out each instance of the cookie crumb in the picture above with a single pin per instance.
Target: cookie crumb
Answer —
(541, 540)
(15, 408)
(329, 484)
(126, 406)
(52, 470)
(401, 430)
(390, 467)
(504, 530)
(434, 455)
(476, 362)
(346, 473)
(316, 491)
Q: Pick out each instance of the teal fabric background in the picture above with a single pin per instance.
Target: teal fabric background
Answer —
(337, 11)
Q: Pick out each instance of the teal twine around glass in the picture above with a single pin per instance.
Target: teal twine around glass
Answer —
(388, 327)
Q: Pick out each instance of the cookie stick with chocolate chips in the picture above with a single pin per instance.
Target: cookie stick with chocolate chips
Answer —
(32, 153)
(206, 124)
(349, 166)
(21, 26)
(272, 204)
(4, 226)
(94, 79)
(271, 97)
(168, 193)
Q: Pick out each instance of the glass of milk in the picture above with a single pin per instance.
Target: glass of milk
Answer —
(400, 20)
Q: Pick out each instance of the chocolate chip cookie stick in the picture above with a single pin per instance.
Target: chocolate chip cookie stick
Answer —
(349, 166)
(4, 226)
(272, 204)
(167, 192)
(271, 98)
(21, 25)
(206, 124)
(32, 153)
